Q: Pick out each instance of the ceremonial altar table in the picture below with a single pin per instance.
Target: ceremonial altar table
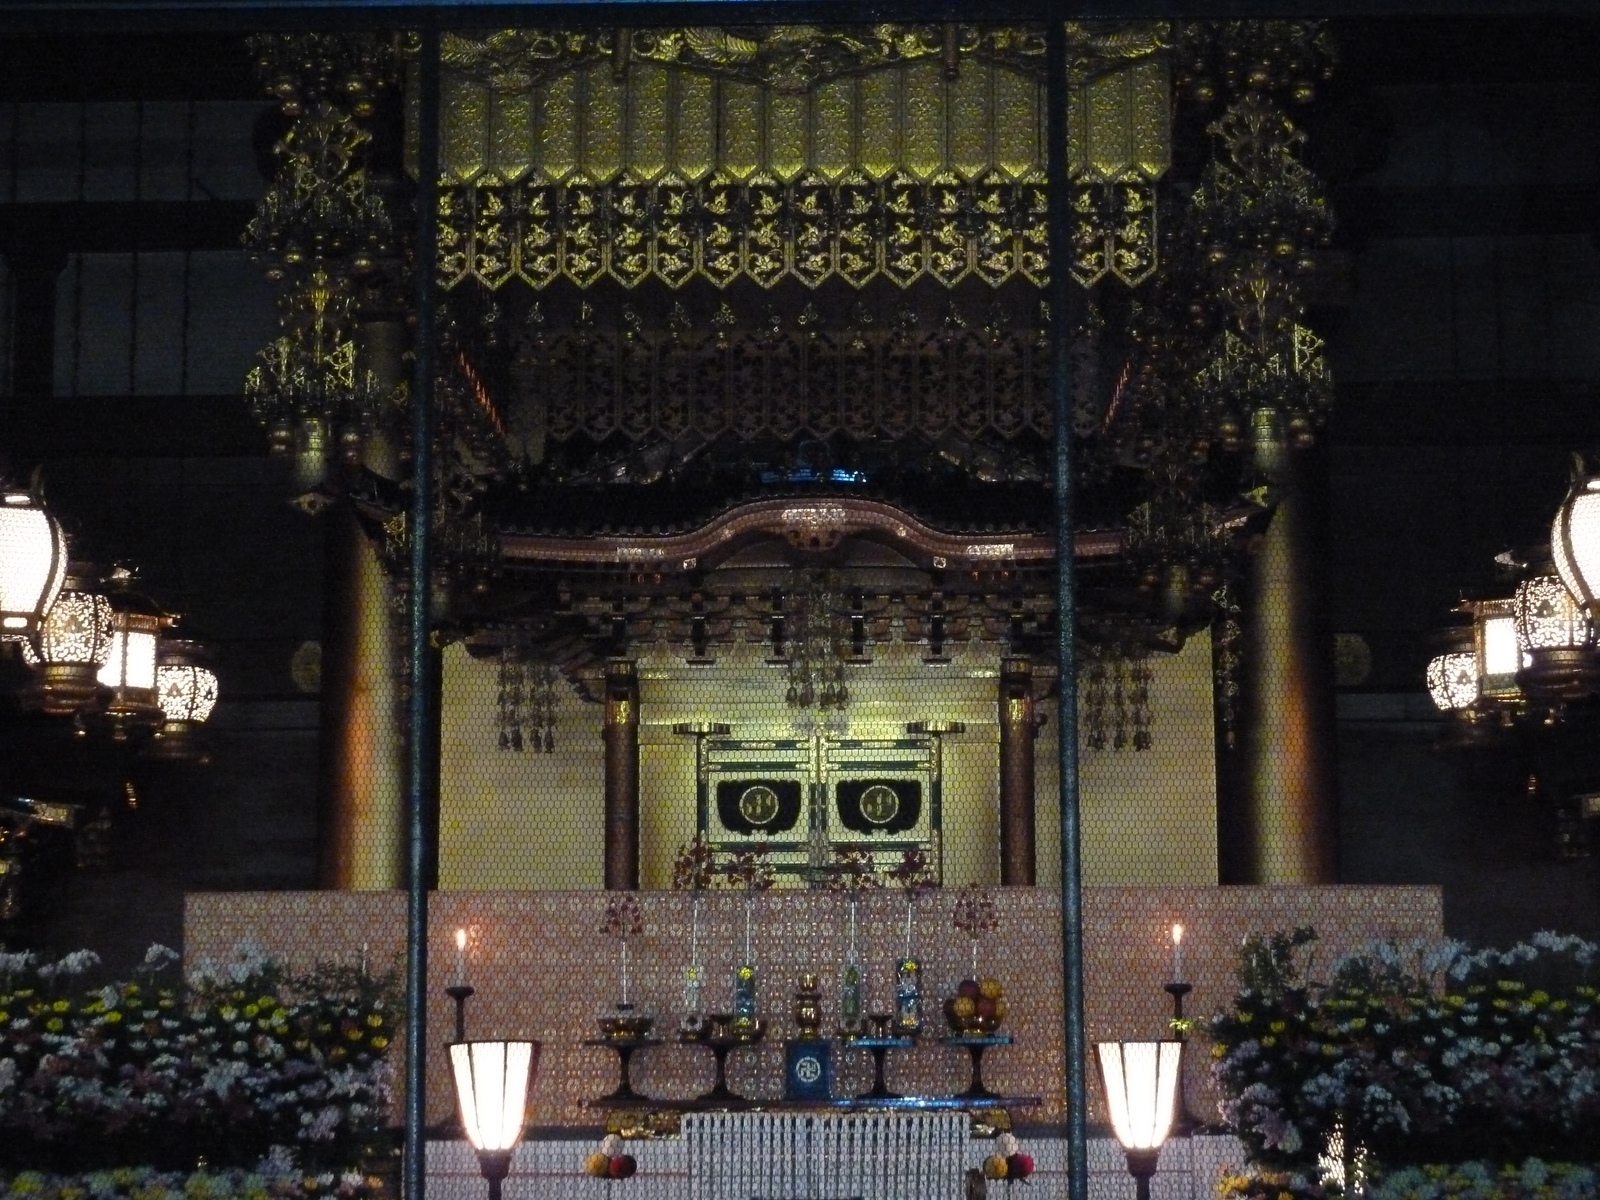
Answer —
(548, 1169)
(541, 969)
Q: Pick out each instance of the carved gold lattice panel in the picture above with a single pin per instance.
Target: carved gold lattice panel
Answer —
(799, 154)
(963, 377)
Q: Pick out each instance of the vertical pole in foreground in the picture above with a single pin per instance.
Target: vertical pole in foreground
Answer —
(1056, 100)
(422, 779)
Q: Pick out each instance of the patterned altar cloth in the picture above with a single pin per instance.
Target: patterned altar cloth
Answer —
(826, 1156)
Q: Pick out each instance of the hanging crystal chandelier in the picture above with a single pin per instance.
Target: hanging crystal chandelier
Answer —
(33, 562)
(186, 689)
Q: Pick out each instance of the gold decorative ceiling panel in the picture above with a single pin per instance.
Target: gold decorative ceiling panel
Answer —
(590, 126)
(801, 153)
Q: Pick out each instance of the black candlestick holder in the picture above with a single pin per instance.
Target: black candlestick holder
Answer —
(460, 993)
(1184, 1122)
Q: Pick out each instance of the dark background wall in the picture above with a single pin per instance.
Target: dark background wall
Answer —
(1462, 308)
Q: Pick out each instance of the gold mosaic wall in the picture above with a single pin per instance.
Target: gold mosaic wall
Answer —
(1149, 816)
(542, 970)
(513, 820)
(510, 819)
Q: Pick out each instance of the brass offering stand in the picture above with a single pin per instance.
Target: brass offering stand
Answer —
(878, 1043)
(721, 1041)
(624, 1047)
(976, 1044)
(460, 993)
(1184, 1122)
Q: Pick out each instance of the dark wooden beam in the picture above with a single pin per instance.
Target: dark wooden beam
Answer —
(98, 67)
(1465, 211)
(109, 227)
(49, 427)
(1462, 412)
(154, 16)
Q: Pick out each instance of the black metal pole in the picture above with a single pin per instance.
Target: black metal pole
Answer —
(1075, 1046)
(422, 775)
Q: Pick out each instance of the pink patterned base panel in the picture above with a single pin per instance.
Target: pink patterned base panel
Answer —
(543, 970)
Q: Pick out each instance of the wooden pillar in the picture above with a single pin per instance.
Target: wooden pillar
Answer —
(361, 797)
(622, 775)
(1289, 824)
(1017, 727)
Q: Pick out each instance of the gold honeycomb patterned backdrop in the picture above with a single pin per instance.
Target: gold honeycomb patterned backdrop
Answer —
(1149, 816)
(516, 819)
(543, 970)
(525, 819)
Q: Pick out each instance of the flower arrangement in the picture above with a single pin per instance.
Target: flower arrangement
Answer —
(854, 871)
(914, 872)
(623, 919)
(1420, 1054)
(224, 1066)
(694, 867)
(275, 1178)
(751, 870)
(975, 914)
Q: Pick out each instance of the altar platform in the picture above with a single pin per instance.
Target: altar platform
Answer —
(543, 970)
(549, 1169)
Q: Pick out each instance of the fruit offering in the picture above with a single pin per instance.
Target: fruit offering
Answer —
(978, 1006)
(610, 1166)
(994, 1167)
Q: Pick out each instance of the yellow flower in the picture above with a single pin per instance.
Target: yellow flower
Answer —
(54, 1024)
(113, 1017)
(1217, 1051)
(61, 1005)
(379, 1042)
(1245, 1017)
(1269, 1041)
(1278, 1026)
(374, 1020)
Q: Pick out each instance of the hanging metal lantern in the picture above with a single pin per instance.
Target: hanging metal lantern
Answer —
(33, 562)
(1575, 541)
(186, 689)
(1556, 638)
(130, 708)
(1453, 680)
(74, 643)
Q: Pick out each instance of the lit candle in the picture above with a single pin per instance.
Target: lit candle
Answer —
(461, 958)
(1177, 954)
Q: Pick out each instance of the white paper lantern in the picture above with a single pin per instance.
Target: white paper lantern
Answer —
(33, 563)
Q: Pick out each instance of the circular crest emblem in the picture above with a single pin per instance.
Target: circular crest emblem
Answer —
(880, 804)
(758, 804)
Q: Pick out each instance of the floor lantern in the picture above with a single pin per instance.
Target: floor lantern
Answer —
(1141, 1084)
(492, 1083)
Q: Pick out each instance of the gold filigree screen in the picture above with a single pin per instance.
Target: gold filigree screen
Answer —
(628, 163)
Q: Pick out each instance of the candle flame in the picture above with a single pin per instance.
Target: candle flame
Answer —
(1177, 934)
(461, 939)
